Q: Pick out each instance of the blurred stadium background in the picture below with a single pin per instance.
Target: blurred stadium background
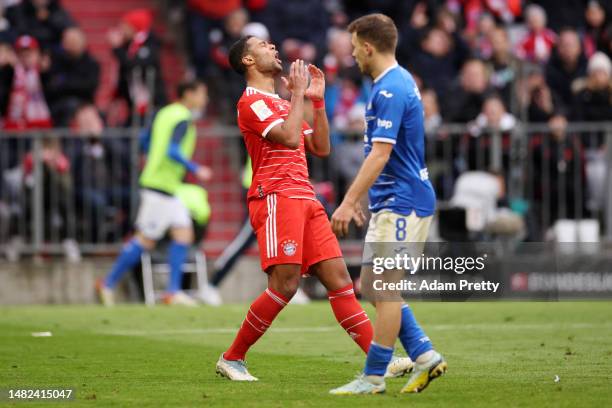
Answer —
(517, 97)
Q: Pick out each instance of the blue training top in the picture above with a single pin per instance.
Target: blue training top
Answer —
(395, 115)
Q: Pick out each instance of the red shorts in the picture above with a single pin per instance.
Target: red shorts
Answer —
(292, 231)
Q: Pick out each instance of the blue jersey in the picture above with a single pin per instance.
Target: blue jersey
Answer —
(395, 115)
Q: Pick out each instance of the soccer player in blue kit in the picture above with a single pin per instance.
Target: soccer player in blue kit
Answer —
(402, 199)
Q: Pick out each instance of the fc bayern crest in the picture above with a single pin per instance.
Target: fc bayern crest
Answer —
(289, 247)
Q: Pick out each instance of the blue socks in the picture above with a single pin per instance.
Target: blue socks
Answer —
(127, 259)
(411, 335)
(177, 254)
(378, 359)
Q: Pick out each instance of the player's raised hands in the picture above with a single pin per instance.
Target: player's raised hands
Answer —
(316, 90)
(344, 214)
(297, 81)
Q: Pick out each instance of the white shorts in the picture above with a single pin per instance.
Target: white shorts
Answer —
(387, 227)
(158, 212)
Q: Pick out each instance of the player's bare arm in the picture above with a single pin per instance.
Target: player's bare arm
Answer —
(318, 143)
(350, 208)
(289, 132)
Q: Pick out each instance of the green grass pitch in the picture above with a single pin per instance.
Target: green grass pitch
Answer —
(499, 354)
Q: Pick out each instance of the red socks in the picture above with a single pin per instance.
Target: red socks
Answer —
(268, 305)
(351, 316)
(259, 317)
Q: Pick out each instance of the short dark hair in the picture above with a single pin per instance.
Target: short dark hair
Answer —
(236, 52)
(188, 85)
(377, 29)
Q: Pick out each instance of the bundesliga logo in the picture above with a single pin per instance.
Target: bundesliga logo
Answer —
(289, 247)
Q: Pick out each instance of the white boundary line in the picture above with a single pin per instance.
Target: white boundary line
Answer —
(322, 329)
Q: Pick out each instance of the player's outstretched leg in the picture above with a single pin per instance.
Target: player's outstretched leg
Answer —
(127, 259)
(350, 314)
(177, 255)
(372, 381)
(429, 364)
(332, 273)
(283, 281)
(182, 238)
(235, 370)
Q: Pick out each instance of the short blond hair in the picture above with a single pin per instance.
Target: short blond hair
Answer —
(377, 29)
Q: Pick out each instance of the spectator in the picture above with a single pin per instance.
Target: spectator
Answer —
(480, 41)
(7, 61)
(568, 13)
(567, 64)
(447, 22)
(493, 125)
(44, 20)
(297, 27)
(137, 50)
(593, 103)
(339, 59)
(595, 37)
(203, 17)
(540, 102)
(464, 101)
(494, 116)
(96, 191)
(411, 34)
(25, 105)
(503, 65)
(347, 155)
(72, 79)
(7, 31)
(57, 190)
(559, 191)
(342, 90)
(435, 61)
(256, 29)
(431, 110)
(506, 11)
(226, 85)
(539, 41)
(593, 100)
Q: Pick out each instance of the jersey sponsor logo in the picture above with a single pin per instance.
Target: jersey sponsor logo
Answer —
(386, 93)
(261, 109)
(385, 124)
(289, 247)
(424, 174)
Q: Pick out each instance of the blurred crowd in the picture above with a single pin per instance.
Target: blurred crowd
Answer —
(490, 64)
(540, 59)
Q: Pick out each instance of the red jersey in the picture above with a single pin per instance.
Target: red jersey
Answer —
(276, 168)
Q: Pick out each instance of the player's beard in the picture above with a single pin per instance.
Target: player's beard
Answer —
(365, 69)
(271, 68)
(276, 68)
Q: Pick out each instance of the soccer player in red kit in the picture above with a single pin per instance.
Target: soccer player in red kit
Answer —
(292, 228)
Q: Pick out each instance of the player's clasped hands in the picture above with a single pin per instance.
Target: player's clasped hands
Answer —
(297, 81)
(342, 217)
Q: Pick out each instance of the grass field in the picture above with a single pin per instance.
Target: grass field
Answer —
(499, 354)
